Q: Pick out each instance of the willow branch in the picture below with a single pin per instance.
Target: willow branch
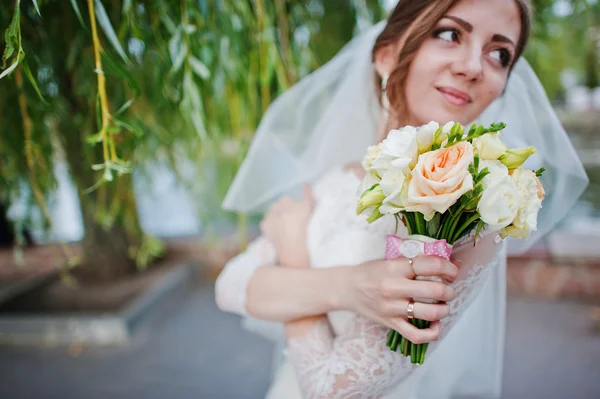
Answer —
(29, 157)
(101, 83)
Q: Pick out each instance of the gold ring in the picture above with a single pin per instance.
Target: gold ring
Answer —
(410, 309)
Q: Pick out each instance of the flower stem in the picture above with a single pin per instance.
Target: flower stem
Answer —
(466, 224)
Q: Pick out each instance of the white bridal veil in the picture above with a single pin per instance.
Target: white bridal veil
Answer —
(330, 118)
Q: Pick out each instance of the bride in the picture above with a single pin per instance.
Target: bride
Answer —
(315, 280)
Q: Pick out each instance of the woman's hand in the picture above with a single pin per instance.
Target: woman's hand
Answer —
(285, 225)
(380, 290)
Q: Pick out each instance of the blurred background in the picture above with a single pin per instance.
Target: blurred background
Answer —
(122, 124)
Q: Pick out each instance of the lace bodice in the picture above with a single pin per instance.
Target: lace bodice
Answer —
(345, 355)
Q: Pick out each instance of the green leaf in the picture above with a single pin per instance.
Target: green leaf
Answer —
(539, 172)
(93, 139)
(10, 69)
(12, 37)
(129, 127)
(480, 226)
(169, 24)
(375, 216)
(113, 68)
(433, 225)
(126, 6)
(35, 4)
(191, 105)
(33, 82)
(125, 107)
(77, 12)
(104, 22)
(199, 68)
(177, 50)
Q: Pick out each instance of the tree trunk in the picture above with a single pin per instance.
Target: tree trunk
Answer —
(106, 249)
(108, 238)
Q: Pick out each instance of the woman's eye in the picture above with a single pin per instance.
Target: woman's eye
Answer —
(449, 35)
(502, 55)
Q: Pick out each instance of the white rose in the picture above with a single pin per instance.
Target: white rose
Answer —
(499, 202)
(497, 171)
(399, 151)
(392, 183)
(526, 219)
(371, 155)
(489, 146)
(425, 136)
(398, 198)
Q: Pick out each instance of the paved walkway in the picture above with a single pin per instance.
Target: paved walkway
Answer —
(553, 352)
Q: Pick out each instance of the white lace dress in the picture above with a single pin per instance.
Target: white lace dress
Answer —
(346, 356)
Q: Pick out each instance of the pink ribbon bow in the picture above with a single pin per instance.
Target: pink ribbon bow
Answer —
(396, 247)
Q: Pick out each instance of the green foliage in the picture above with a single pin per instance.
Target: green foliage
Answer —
(175, 82)
(565, 40)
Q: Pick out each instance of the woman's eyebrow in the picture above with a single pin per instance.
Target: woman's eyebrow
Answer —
(503, 39)
(469, 28)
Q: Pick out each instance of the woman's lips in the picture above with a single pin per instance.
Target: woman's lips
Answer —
(455, 97)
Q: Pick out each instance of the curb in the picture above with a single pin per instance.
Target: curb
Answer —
(106, 329)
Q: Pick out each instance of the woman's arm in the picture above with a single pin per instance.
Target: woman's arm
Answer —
(251, 284)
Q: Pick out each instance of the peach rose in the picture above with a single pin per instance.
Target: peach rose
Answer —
(439, 179)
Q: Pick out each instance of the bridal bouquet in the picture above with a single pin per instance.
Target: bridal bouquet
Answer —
(444, 184)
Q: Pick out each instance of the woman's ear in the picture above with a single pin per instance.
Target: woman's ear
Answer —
(386, 59)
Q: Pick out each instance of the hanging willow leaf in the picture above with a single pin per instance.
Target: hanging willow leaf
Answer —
(35, 4)
(199, 67)
(10, 69)
(33, 82)
(191, 105)
(113, 68)
(12, 36)
(126, 6)
(77, 12)
(107, 27)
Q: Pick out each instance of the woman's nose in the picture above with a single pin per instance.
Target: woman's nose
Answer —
(469, 66)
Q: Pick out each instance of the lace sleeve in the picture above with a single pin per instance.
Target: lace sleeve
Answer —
(232, 283)
(357, 362)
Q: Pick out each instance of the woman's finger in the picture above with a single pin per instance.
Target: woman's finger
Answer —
(427, 289)
(422, 311)
(435, 266)
(417, 335)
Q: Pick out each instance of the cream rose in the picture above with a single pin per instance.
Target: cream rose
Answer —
(531, 202)
(439, 179)
(489, 146)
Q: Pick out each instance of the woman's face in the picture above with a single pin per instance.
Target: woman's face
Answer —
(463, 65)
